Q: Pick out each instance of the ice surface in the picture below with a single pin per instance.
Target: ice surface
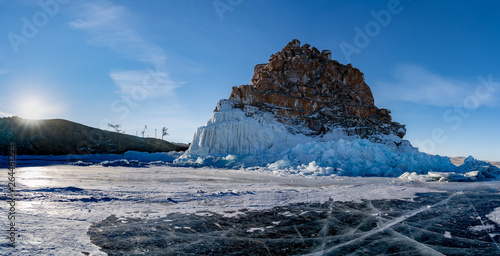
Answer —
(431, 224)
(77, 210)
(235, 137)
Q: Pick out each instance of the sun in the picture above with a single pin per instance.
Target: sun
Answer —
(32, 108)
(36, 107)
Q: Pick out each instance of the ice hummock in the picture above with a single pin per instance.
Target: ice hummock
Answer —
(246, 137)
(471, 170)
(129, 158)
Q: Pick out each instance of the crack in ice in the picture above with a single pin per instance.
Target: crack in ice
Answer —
(419, 245)
(384, 227)
(323, 233)
(481, 220)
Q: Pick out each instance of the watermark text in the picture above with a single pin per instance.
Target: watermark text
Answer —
(372, 29)
(30, 27)
(11, 195)
(223, 6)
(456, 115)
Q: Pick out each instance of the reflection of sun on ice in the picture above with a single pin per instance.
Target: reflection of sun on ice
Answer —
(33, 177)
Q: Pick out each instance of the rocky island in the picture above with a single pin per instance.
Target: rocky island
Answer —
(307, 114)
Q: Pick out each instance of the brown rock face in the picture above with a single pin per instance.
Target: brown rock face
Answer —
(302, 85)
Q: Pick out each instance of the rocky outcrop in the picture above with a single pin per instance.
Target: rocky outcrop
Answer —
(303, 86)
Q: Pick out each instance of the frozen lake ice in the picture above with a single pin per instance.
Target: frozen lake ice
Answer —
(164, 210)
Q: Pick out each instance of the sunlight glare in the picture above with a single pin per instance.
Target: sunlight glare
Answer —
(36, 107)
(34, 177)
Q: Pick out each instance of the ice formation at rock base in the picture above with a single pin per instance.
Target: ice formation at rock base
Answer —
(236, 138)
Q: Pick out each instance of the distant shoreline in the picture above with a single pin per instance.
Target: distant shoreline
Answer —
(459, 160)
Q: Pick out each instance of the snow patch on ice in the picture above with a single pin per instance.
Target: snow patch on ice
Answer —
(251, 230)
(494, 216)
(482, 227)
(122, 162)
(447, 234)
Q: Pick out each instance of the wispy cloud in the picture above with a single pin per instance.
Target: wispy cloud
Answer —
(143, 83)
(4, 71)
(416, 84)
(107, 25)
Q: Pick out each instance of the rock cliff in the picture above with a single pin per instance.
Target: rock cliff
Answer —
(303, 86)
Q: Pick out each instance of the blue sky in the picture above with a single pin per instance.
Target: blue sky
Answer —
(434, 64)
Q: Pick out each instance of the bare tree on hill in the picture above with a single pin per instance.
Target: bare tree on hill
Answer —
(116, 127)
(164, 132)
